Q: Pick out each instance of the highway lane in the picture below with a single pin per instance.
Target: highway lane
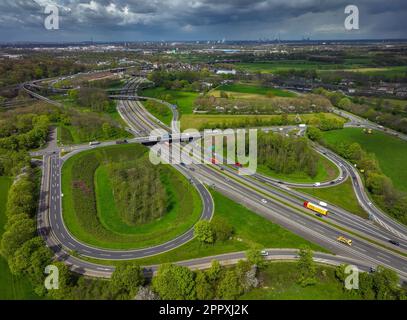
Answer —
(304, 224)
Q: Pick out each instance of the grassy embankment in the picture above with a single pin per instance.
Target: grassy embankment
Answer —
(342, 195)
(89, 205)
(279, 281)
(183, 99)
(327, 171)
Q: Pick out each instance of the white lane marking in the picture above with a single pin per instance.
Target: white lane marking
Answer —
(70, 243)
(383, 258)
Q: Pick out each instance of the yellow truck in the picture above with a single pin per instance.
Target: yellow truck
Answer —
(345, 240)
(316, 208)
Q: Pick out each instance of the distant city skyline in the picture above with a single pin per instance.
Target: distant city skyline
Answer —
(177, 20)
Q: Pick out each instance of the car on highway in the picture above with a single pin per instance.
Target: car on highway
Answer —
(238, 164)
(264, 201)
(317, 184)
(344, 240)
(394, 242)
(94, 143)
(264, 253)
(121, 141)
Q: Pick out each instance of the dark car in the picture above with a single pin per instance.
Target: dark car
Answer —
(396, 243)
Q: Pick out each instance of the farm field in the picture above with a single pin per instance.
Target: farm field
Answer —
(391, 152)
(183, 99)
(341, 195)
(283, 65)
(242, 90)
(11, 287)
(200, 121)
(89, 207)
(250, 231)
(280, 282)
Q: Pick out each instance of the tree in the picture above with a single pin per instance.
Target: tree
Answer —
(229, 286)
(174, 282)
(203, 232)
(306, 267)
(345, 103)
(16, 234)
(255, 258)
(126, 279)
(377, 183)
(214, 273)
(204, 288)
(314, 133)
(385, 284)
(221, 228)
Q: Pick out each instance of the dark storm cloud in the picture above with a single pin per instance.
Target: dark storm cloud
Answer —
(200, 19)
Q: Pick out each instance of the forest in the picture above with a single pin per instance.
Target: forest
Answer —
(287, 155)
(139, 194)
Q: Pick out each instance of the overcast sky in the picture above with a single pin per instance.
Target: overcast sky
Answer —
(137, 20)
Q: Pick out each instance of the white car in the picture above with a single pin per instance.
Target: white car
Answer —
(264, 253)
(264, 201)
(317, 184)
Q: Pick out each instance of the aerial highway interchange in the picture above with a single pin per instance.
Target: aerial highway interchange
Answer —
(271, 198)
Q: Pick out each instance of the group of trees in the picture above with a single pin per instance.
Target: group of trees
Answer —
(208, 232)
(287, 154)
(24, 132)
(180, 283)
(94, 98)
(139, 194)
(268, 105)
(25, 252)
(125, 283)
(179, 80)
(12, 162)
(13, 71)
(385, 112)
(382, 284)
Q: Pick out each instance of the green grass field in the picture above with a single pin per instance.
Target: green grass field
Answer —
(89, 210)
(391, 152)
(199, 121)
(160, 111)
(254, 90)
(283, 65)
(183, 99)
(279, 281)
(11, 287)
(327, 171)
(251, 230)
(342, 196)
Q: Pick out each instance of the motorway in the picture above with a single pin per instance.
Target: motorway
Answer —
(243, 191)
